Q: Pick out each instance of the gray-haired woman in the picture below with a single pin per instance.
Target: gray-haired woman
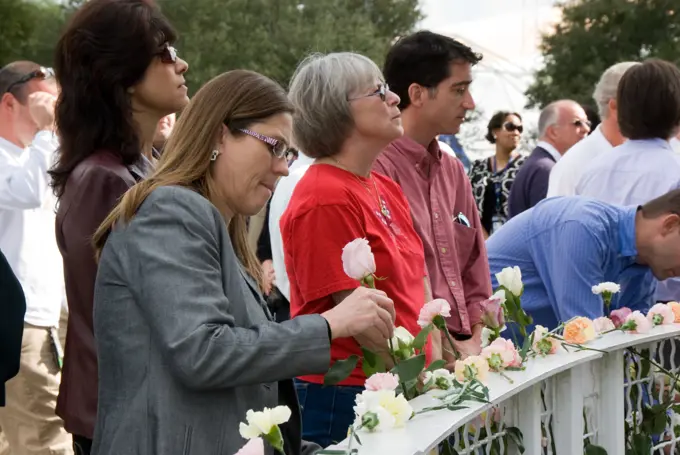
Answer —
(345, 115)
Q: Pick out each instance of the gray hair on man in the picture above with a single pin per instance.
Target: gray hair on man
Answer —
(550, 115)
(320, 90)
(605, 89)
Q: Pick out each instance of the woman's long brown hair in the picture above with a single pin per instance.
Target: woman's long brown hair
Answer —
(236, 98)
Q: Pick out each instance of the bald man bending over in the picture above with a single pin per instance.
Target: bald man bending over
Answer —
(561, 125)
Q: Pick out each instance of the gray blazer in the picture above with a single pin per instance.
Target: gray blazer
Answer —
(185, 342)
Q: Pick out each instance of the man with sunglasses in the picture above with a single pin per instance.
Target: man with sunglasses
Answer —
(561, 124)
(27, 145)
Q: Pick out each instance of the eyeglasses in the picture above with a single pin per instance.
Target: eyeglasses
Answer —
(168, 54)
(277, 147)
(41, 73)
(510, 127)
(381, 92)
(578, 123)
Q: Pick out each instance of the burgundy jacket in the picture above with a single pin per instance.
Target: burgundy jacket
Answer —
(92, 190)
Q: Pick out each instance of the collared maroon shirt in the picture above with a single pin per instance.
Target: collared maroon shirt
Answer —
(438, 190)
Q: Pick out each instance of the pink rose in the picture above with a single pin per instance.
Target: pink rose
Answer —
(382, 381)
(437, 307)
(492, 311)
(619, 316)
(660, 314)
(253, 447)
(636, 322)
(358, 261)
(506, 351)
(603, 325)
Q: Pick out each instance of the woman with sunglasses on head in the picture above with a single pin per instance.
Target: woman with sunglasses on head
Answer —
(492, 178)
(119, 75)
(185, 341)
(345, 115)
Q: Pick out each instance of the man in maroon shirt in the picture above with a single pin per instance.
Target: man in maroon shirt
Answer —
(431, 74)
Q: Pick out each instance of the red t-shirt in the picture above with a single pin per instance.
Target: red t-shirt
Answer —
(329, 208)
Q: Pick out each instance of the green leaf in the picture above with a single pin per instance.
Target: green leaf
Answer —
(516, 437)
(644, 363)
(340, 370)
(409, 369)
(592, 449)
(421, 338)
(456, 407)
(372, 363)
(275, 439)
(642, 443)
(436, 365)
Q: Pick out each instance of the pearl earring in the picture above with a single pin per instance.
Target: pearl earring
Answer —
(214, 154)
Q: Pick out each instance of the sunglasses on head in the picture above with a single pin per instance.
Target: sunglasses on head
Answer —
(41, 73)
(168, 54)
(510, 127)
(381, 92)
(277, 147)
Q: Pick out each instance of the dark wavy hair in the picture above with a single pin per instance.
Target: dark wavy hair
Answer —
(496, 122)
(423, 58)
(105, 49)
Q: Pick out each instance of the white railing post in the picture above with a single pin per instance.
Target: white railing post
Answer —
(568, 412)
(528, 408)
(611, 412)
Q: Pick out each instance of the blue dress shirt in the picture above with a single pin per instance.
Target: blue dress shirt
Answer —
(566, 245)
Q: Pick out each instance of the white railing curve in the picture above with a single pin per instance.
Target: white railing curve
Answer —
(559, 403)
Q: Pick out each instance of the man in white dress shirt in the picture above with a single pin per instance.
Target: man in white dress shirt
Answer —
(567, 171)
(27, 145)
(282, 194)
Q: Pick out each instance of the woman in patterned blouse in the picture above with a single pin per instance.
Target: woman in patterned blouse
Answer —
(492, 178)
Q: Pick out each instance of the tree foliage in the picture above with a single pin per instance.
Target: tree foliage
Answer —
(595, 34)
(268, 36)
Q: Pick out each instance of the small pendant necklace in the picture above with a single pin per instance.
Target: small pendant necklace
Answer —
(384, 211)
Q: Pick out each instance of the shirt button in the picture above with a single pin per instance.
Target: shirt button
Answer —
(453, 284)
(443, 250)
(436, 215)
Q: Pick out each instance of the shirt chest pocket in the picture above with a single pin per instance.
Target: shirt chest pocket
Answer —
(465, 238)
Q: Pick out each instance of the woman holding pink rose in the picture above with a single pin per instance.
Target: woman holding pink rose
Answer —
(345, 115)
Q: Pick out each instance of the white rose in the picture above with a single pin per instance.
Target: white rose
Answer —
(441, 378)
(539, 333)
(260, 423)
(402, 337)
(607, 286)
(511, 279)
(486, 336)
(358, 261)
(392, 410)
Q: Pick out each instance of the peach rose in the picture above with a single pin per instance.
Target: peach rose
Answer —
(479, 369)
(675, 307)
(579, 331)
(636, 322)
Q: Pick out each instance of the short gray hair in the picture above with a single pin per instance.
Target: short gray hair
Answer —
(605, 90)
(549, 116)
(319, 90)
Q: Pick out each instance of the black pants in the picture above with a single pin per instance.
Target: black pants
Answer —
(81, 445)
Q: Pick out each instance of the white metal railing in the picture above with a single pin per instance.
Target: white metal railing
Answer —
(559, 403)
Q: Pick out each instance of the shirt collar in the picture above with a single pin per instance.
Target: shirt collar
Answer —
(10, 147)
(550, 149)
(416, 153)
(648, 144)
(627, 246)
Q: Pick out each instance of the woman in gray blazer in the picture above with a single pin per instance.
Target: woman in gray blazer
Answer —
(185, 342)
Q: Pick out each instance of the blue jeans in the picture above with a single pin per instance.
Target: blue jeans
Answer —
(327, 412)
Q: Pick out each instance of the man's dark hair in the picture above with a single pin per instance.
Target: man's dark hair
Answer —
(423, 58)
(648, 100)
(105, 49)
(14, 72)
(668, 203)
